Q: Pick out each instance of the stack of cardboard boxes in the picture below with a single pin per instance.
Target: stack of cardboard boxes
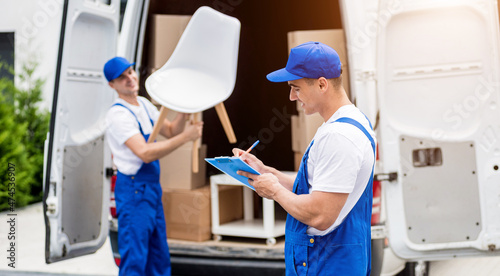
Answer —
(187, 212)
(304, 126)
(186, 195)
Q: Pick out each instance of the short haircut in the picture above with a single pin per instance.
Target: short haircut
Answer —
(335, 82)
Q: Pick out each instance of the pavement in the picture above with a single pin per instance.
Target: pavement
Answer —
(30, 254)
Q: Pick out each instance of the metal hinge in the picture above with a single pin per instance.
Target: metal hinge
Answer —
(110, 172)
(51, 208)
(392, 176)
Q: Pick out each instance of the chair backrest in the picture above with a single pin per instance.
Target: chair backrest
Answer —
(201, 71)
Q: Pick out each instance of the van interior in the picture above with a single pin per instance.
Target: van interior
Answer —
(263, 49)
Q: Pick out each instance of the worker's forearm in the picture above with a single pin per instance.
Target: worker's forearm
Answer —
(177, 125)
(155, 151)
(310, 209)
(298, 206)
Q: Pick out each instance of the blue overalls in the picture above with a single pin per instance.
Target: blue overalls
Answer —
(142, 237)
(344, 251)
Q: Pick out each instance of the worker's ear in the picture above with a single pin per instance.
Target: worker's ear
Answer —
(323, 84)
(111, 84)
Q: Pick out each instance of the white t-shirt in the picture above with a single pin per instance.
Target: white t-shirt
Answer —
(121, 125)
(340, 160)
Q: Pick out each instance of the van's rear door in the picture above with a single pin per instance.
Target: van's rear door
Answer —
(76, 189)
(437, 73)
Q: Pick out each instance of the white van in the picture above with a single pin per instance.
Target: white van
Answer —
(426, 73)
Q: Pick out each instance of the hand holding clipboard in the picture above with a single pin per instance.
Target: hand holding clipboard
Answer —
(231, 165)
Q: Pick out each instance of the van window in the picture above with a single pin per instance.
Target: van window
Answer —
(123, 5)
(6, 55)
(106, 2)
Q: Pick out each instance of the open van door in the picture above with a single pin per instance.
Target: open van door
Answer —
(437, 79)
(76, 188)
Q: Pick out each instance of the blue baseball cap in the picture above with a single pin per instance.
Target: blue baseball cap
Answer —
(309, 60)
(115, 67)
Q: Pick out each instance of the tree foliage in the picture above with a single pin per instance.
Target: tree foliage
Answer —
(22, 136)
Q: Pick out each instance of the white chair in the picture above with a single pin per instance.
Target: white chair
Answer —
(201, 71)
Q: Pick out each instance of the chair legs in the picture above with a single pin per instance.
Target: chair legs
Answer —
(226, 124)
(158, 124)
(196, 145)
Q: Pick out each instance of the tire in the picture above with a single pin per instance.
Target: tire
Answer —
(377, 256)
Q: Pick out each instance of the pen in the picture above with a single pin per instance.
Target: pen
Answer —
(252, 146)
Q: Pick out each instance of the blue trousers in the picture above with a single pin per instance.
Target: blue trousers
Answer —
(142, 239)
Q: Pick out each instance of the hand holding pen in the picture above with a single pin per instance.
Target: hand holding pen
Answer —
(249, 158)
(239, 152)
(251, 147)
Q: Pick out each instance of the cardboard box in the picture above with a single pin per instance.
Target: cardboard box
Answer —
(296, 133)
(297, 158)
(177, 169)
(333, 38)
(304, 128)
(189, 232)
(187, 213)
(308, 125)
(187, 206)
(230, 203)
(166, 30)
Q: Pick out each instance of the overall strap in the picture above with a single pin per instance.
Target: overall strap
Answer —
(303, 168)
(140, 128)
(151, 120)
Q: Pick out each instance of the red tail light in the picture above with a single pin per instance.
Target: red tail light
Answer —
(112, 203)
(377, 199)
(377, 202)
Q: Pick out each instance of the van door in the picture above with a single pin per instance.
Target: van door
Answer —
(76, 188)
(437, 79)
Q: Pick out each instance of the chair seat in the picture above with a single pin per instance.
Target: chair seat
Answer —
(201, 72)
(187, 90)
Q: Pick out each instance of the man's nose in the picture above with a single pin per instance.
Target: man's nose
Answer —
(293, 95)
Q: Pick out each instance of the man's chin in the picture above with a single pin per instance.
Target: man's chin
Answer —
(132, 92)
(309, 112)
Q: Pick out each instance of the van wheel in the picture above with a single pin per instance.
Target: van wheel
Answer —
(271, 241)
(420, 268)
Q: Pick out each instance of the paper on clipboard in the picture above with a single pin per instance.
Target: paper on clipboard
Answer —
(230, 165)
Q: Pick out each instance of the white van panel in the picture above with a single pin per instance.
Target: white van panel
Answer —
(76, 188)
(438, 88)
(361, 23)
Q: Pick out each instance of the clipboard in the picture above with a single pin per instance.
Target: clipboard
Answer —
(230, 165)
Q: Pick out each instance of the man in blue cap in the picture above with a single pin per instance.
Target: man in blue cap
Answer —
(142, 236)
(329, 203)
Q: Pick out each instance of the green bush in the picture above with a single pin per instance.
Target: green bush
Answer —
(22, 136)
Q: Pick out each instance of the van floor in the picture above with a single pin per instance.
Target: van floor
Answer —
(230, 247)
